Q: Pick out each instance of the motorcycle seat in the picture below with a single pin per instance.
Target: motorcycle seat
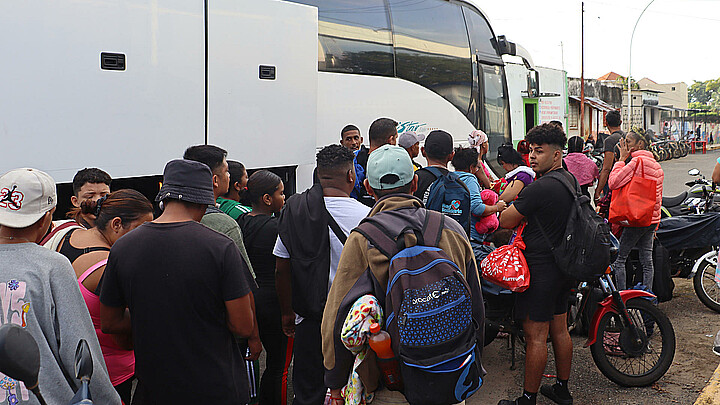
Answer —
(674, 201)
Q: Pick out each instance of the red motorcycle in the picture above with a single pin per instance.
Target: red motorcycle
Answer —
(631, 340)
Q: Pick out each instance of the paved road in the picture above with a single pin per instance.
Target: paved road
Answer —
(676, 170)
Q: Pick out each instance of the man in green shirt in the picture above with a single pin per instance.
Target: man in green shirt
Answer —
(230, 202)
(215, 219)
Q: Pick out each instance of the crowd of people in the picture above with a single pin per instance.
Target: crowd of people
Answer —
(180, 305)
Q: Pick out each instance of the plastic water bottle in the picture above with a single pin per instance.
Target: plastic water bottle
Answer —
(388, 363)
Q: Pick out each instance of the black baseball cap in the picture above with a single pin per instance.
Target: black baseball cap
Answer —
(438, 144)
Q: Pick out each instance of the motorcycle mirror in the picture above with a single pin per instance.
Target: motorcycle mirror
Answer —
(19, 355)
(693, 172)
(83, 361)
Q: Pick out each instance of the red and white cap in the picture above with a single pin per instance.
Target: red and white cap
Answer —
(25, 196)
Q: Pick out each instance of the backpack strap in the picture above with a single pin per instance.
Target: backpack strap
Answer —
(389, 244)
(574, 189)
(378, 236)
(432, 227)
(574, 194)
(434, 171)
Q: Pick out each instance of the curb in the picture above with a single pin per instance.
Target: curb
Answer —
(711, 393)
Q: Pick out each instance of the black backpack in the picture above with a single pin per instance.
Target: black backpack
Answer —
(584, 251)
(428, 304)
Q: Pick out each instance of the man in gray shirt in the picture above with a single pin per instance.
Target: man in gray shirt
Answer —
(40, 293)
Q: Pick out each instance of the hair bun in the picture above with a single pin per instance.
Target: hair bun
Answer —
(89, 207)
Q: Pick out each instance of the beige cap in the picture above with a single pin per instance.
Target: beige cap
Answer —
(25, 196)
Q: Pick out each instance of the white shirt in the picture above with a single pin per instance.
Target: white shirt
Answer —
(348, 213)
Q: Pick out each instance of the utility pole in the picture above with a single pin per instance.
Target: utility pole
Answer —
(562, 55)
(629, 79)
(582, 70)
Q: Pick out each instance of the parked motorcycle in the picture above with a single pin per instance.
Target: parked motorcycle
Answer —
(700, 197)
(631, 340)
(20, 360)
(706, 280)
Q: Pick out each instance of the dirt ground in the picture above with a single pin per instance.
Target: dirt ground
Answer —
(694, 363)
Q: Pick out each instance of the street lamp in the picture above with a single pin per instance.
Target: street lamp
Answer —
(629, 80)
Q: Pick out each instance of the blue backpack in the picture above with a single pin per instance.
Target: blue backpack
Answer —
(429, 307)
(449, 195)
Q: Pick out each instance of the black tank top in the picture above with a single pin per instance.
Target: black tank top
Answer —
(72, 253)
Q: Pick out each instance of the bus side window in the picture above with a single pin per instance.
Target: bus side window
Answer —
(353, 37)
(432, 48)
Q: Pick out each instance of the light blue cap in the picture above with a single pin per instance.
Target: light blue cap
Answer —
(389, 167)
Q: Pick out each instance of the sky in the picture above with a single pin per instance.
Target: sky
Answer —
(675, 40)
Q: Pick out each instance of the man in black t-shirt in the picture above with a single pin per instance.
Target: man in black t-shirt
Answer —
(187, 292)
(610, 152)
(545, 204)
(438, 151)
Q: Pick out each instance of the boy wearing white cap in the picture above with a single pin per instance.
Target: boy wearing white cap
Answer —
(41, 293)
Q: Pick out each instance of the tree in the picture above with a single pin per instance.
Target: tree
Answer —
(698, 93)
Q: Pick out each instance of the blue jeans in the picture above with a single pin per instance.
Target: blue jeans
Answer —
(642, 238)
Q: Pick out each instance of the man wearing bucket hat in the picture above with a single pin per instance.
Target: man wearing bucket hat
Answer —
(181, 283)
(391, 180)
(41, 291)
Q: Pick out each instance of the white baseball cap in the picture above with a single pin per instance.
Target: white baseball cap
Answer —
(25, 196)
(409, 138)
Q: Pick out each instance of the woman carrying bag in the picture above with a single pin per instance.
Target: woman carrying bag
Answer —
(637, 184)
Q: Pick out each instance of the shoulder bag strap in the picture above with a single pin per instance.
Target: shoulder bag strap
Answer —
(56, 230)
(336, 228)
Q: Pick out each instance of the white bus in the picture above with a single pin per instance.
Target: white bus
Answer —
(127, 85)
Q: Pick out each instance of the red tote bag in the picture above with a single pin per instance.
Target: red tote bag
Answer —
(634, 203)
(506, 265)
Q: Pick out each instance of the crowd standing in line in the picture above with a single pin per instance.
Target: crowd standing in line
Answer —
(88, 184)
(230, 267)
(382, 131)
(115, 215)
(584, 169)
(542, 308)
(185, 305)
(391, 180)
(519, 175)
(312, 230)
(230, 203)
(637, 162)
(610, 156)
(265, 191)
(410, 141)
(43, 285)
(465, 161)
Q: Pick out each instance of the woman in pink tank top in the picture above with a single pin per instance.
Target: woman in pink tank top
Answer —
(116, 214)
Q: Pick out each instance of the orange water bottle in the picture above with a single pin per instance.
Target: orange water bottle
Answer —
(388, 363)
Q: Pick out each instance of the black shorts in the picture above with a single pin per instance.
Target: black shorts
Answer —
(547, 295)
